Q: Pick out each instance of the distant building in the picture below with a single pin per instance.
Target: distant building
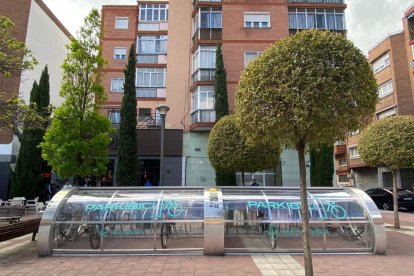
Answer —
(46, 37)
(176, 45)
(393, 67)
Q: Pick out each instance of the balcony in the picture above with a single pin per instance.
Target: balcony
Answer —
(318, 1)
(149, 120)
(200, 2)
(203, 75)
(207, 34)
(339, 149)
(202, 120)
(342, 169)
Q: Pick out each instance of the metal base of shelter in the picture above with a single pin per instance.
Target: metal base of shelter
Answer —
(88, 221)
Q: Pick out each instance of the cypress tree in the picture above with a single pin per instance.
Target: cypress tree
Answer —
(322, 166)
(30, 164)
(221, 107)
(126, 173)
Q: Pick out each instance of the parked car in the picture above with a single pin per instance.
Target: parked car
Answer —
(383, 198)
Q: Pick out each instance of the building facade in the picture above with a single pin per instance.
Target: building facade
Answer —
(392, 65)
(46, 37)
(176, 44)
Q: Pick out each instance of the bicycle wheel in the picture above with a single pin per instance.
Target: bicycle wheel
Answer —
(164, 235)
(272, 235)
(94, 237)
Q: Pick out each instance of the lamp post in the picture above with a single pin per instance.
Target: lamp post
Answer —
(162, 109)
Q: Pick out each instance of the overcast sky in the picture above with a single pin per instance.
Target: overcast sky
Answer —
(368, 21)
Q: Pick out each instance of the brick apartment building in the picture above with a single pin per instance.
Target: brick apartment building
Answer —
(46, 37)
(392, 64)
(176, 45)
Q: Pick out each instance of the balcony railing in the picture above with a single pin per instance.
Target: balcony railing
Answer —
(207, 34)
(203, 116)
(340, 149)
(318, 1)
(148, 92)
(203, 75)
(149, 120)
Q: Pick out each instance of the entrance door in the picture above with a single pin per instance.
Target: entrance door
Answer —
(148, 169)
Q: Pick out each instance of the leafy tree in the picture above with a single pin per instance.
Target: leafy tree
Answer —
(14, 58)
(126, 173)
(221, 108)
(76, 144)
(229, 151)
(389, 142)
(306, 90)
(322, 166)
(29, 165)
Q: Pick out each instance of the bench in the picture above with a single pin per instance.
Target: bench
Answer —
(11, 213)
(21, 228)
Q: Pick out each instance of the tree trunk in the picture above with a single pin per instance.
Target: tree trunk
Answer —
(76, 181)
(304, 210)
(242, 180)
(395, 199)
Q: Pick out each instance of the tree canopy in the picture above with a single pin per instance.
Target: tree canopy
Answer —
(14, 57)
(229, 151)
(305, 90)
(389, 142)
(76, 144)
(126, 173)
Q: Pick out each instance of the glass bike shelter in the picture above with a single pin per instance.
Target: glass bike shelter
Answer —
(213, 221)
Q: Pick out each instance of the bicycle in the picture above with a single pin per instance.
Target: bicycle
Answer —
(69, 231)
(165, 230)
(271, 231)
(98, 231)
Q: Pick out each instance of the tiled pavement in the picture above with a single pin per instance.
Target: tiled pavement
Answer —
(19, 257)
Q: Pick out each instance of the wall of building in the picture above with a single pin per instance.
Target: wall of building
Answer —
(290, 169)
(197, 168)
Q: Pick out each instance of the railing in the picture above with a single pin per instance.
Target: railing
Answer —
(318, 1)
(149, 120)
(203, 75)
(203, 116)
(207, 34)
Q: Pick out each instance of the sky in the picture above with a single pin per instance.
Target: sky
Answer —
(368, 21)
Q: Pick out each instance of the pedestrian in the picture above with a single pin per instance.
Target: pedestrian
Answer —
(50, 191)
(254, 183)
(148, 183)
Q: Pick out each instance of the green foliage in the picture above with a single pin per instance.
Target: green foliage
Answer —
(27, 178)
(126, 173)
(389, 142)
(229, 151)
(14, 57)
(76, 142)
(221, 105)
(226, 178)
(322, 166)
(309, 88)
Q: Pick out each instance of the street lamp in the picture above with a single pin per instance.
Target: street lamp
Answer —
(162, 109)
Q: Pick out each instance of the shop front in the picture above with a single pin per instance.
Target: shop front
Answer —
(211, 221)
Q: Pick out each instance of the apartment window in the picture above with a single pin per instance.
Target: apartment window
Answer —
(342, 162)
(114, 116)
(121, 22)
(387, 113)
(117, 84)
(256, 20)
(381, 63)
(203, 98)
(353, 152)
(204, 57)
(151, 77)
(152, 44)
(249, 57)
(120, 53)
(153, 12)
(210, 18)
(307, 18)
(385, 89)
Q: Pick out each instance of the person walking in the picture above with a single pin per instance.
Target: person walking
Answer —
(254, 183)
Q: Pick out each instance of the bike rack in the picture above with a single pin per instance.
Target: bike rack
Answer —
(210, 221)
